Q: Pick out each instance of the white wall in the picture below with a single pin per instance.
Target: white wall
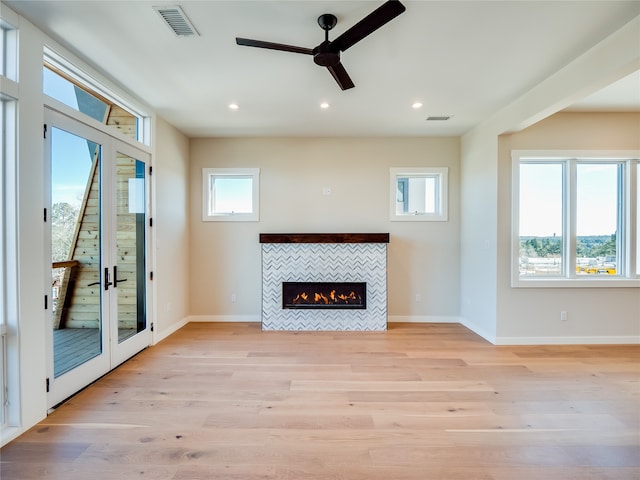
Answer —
(423, 257)
(33, 285)
(595, 315)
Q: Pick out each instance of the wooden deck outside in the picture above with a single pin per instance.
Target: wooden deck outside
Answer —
(74, 346)
(418, 402)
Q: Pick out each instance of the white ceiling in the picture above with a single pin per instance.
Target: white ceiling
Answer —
(465, 59)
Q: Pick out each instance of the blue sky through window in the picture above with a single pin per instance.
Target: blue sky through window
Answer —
(70, 167)
(597, 205)
(71, 155)
(541, 192)
(233, 194)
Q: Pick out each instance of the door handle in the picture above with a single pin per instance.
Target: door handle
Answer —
(106, 278)
(115, 277)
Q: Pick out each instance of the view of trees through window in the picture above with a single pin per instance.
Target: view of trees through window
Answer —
(546, 210)
(595, 254)
(64, 219)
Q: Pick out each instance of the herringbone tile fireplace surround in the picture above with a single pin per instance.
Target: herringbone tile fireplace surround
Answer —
(324, 258)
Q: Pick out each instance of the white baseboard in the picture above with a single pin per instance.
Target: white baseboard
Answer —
(161, 335)
(422, 319)
(489, 337)
(258, 318)
(590, 340)
(225, 318)
(9, 433)
(573, 340)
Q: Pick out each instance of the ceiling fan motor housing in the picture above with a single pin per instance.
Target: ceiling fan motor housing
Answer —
(324, 55)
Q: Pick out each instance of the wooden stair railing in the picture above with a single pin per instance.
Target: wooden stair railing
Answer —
(66, 287)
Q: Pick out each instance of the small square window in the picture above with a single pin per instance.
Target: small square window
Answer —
(230, 194)
(418, 194)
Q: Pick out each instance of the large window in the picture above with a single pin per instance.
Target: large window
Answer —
(575, 219)
(3, 270)
(9, 92)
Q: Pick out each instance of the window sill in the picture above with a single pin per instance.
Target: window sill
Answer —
(419, 217)
(238, 217)
(576, 283)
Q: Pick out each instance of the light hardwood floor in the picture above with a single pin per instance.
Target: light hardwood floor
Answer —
(419, 402)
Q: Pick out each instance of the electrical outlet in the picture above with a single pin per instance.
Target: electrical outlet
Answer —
(234, 297)
(418, 298)
(563, 315)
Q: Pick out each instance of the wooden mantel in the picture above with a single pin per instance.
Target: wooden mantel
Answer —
(324, 238)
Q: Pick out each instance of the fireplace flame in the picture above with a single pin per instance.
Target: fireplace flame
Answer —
(321, 298)
(324, 295)
(302, 296)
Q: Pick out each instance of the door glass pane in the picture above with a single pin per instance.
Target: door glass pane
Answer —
(129, 275)
(541, 242)
(75, 250)
(597, 218)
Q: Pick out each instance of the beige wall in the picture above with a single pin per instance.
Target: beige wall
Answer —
(593, 314)
(171, 220)
(478, 199)
(423, 257)
(486, 307)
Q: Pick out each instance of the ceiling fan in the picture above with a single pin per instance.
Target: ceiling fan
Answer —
(327, 54)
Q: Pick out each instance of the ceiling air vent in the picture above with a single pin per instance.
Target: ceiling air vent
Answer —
(177, 21)
(436, 118)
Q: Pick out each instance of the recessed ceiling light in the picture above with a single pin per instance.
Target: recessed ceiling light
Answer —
(324, 105)
(234, 106)
(416, 105)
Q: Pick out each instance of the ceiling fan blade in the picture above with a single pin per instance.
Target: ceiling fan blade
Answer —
(369, 24)
(341, 76)
(273, 46)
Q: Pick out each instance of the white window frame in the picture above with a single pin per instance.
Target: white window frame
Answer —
(9, 46)
(628, 223)
(4, 272)
(9, 96)
(97, 88)
(441, 176)
(209, 216)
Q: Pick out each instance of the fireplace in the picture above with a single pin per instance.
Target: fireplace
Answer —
(341, 263)
(340, 295)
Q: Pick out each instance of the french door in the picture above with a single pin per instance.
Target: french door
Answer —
(98, 230)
